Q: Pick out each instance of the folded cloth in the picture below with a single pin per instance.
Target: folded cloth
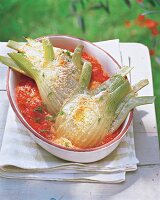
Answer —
(21, 157)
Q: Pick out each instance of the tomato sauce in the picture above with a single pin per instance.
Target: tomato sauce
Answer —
(34, 110)
(98, 74)
(32, 107)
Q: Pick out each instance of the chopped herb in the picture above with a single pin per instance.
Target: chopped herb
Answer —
(99, 119)
(38, 109)
(49, 94)
(68, 53)
(45, 105)
(102, 89)
(43, 75)
(43, 130)
(50, 118)
(66, 144)
(61, 112)
(55, 115)
(37, 119)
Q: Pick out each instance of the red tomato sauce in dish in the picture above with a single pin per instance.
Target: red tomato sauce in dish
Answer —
(34, 110)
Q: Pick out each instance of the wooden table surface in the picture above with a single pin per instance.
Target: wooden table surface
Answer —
(141, 184)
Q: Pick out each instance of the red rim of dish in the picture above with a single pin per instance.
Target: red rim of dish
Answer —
(21, 118)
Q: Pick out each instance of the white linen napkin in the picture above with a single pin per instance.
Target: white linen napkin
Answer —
(21, 157)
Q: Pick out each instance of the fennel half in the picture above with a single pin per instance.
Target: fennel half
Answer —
(87, 117)
(57, 72)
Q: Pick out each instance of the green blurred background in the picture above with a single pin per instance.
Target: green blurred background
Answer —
(93, 20)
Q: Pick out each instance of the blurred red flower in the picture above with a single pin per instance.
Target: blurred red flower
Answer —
(139, 1)
(152, 52)
(127, 24)
(140, 20)
(155, 31)
(149, 23)
(152, 25)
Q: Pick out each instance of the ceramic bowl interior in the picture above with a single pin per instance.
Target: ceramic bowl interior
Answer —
(109, 65)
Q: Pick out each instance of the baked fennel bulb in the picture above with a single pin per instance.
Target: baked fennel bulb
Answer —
(87, 117)
(57, 72)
